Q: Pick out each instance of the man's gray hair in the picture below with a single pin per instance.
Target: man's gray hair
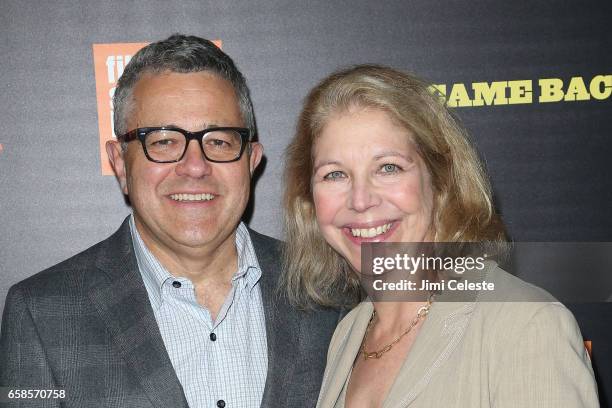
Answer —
(182, 54)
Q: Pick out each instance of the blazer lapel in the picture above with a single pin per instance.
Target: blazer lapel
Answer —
(123, 305)
(282, 326)
(439, 336)
(340, 369)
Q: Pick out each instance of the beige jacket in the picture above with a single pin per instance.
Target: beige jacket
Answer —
(478, 354)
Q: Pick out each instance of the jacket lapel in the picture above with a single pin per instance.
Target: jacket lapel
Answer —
(338, 371)
(439, 336)
(122, 303)
(282, 325)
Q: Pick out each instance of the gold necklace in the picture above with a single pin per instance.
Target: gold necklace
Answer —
(422, 312)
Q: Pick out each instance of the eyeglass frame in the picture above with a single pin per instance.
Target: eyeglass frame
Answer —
(141, 134)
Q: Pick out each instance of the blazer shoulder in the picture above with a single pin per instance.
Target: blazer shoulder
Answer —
(547, 349)
(510, 288)
(514, 303)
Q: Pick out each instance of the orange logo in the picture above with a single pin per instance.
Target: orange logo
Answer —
(109, 62)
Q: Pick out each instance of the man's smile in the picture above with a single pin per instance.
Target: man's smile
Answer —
(192, 197)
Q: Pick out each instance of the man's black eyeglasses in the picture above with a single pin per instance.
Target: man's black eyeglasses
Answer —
(168, 144)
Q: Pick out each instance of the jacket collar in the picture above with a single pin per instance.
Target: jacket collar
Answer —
(121, 301)
(440, 333)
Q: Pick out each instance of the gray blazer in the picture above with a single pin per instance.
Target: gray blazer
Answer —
(502, 354)
(86, 326)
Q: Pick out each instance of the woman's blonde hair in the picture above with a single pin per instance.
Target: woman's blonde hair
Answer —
(463, 210)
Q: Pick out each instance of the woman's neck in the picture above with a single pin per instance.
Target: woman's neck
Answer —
(395, 316)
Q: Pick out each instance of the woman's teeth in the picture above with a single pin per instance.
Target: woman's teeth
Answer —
(370, 232)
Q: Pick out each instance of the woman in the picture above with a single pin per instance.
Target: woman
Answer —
(377, 157)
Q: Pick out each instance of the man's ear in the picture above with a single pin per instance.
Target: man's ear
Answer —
(115, 156)
(255, 156)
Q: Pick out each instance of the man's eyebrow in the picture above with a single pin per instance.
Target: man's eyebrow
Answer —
(161, 124)
(205, 126)
(325, 163)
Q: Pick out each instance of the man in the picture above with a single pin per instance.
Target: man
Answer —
(179, 307)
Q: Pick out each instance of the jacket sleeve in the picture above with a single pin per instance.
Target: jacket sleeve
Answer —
(548, 366)
(23, 363)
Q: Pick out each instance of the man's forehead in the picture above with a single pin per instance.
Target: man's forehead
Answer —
(171, 81)
(195, 99)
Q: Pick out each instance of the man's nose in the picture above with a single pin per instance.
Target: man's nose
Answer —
(193, 163)
(363, 195)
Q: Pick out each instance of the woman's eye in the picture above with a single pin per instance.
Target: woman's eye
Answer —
(334, 175)
(390, 168)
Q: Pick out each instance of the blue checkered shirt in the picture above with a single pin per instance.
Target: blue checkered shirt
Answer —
(222, 360)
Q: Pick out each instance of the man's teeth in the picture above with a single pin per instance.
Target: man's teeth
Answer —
(192, 197)
(370, 232)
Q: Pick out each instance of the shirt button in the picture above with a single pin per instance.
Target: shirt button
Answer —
(221, 404)
(176, 284)
(213, 337)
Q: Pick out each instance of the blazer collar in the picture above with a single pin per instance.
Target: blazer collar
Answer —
(121, 301)
(439, 336)
(338, 371)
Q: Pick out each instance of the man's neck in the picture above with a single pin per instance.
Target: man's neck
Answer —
(214, 263)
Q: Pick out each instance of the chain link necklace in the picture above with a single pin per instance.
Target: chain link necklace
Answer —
(421, 313)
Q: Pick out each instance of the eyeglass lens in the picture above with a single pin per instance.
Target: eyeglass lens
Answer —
(169, 145)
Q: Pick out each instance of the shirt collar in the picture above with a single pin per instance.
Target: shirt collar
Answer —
(248, 266)
(155, 275)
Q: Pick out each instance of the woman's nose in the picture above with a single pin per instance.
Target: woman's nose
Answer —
(363, 196)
